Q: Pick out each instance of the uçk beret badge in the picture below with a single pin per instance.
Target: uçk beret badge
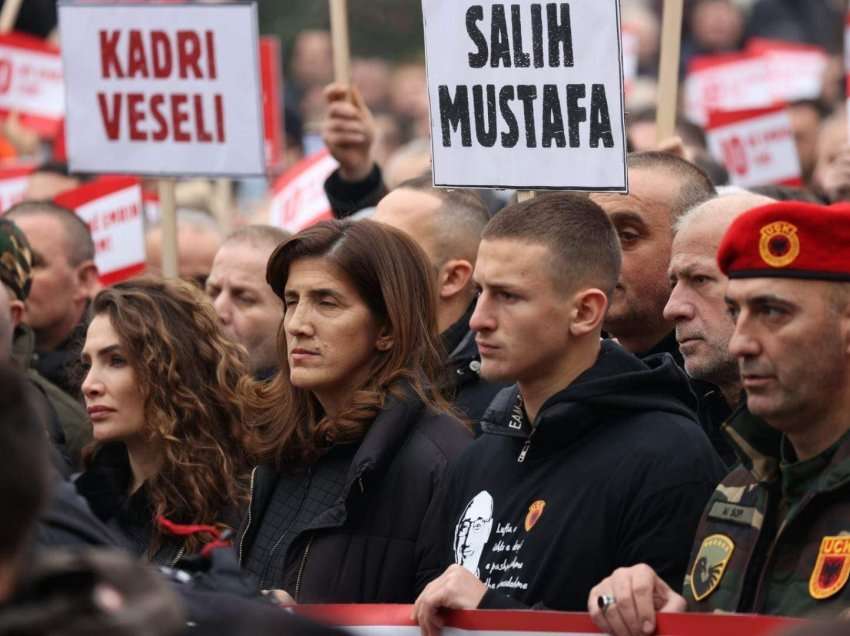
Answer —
(789, 239)
(15, 259)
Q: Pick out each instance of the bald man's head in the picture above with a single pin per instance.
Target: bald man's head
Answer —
(697, 303)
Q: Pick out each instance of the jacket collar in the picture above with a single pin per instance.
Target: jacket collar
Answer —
(760, 448)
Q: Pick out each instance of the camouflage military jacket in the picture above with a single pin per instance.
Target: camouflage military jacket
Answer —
(775, 536)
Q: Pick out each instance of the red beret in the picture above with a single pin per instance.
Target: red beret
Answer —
(789, 239)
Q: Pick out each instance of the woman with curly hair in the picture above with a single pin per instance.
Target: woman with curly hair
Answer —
(165, 391)
(353, 437)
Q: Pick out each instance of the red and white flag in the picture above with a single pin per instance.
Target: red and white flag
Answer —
(299, 195)
(756, 146)
(272, 80)
(112, 208)
(31, 82)
(13, 185)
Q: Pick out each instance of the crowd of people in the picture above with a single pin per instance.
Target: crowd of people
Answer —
(623, 404)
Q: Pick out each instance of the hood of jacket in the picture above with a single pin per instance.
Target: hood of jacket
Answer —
(618, 382)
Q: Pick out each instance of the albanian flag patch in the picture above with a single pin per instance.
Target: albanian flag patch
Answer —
(832, 568)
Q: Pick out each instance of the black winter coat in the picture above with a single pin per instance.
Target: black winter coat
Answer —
(368, 547)
(613, 472)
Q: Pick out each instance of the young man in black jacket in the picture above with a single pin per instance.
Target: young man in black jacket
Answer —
(591, 461)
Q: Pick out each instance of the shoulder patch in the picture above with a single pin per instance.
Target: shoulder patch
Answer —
(832, 568)
(733, 513)
(710, 565)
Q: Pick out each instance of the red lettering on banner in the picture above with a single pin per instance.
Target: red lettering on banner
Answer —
(136, 116)
(179, 118)
(109, 54)
(189, 54)
(111, 122)
(161, 54)
(210, 38)
(219, 117)
(203, 135)
(162, 133)
(138, 63)
(735, 156)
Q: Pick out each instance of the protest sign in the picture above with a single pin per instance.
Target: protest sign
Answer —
(31, 82)
(13, 185)
(163, 89)
(394, 620)
(526, 96)
(112, 208)
(766, 73)
(757, 146)
(299, 195)
(271, 79)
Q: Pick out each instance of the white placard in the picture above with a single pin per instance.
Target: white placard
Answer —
(299, 198)
(526, 95)
(113, 210)
(163, 89)
(757, 148)
(31, 82)
(13, 185)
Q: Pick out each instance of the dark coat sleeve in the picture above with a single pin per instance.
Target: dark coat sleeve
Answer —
(347, 198)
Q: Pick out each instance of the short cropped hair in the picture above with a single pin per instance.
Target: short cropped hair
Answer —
(258, 236)
(581, 238)
(23, 463)
(77, 234)
(460, 219)
(695, 186)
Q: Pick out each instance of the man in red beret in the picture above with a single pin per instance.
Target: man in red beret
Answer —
(775, 535)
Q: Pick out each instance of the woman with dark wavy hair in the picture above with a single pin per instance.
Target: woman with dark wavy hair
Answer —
(165, 390)
(353, 436)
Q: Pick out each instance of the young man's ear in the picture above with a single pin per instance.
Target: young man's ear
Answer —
(589, 309)
(453, 278)
(88, 279)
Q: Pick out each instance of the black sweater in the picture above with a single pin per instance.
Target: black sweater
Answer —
(614, 472)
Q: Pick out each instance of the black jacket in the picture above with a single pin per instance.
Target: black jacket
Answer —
(469, 393)
(367, 547)
(614, 472)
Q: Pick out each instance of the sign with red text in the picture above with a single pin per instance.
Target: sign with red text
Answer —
(757, 146)
(526, 95)
(766, 73)
(31, 82)
(13, 185)
(299, 194)
(272, 81)
(112, 208)
(394, 620)
(163, 89)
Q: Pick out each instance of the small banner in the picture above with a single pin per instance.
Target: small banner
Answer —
(299, 194)
(31, 82)
(766, 73)
(394, 620)
(756, 146)
(526, 96)
(112, 208)
(13, 185)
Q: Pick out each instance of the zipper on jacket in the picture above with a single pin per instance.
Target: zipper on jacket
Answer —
(526, 447)
(248, 524)
(301, 569)
(360, 482)
(179, 556)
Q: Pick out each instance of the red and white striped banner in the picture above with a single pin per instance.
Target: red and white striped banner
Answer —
(112, 208)
(298, 199)
(394, 620)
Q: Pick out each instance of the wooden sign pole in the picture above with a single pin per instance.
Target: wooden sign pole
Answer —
(668, 77)
(341, 45)
(168, 220)
(9, 15)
